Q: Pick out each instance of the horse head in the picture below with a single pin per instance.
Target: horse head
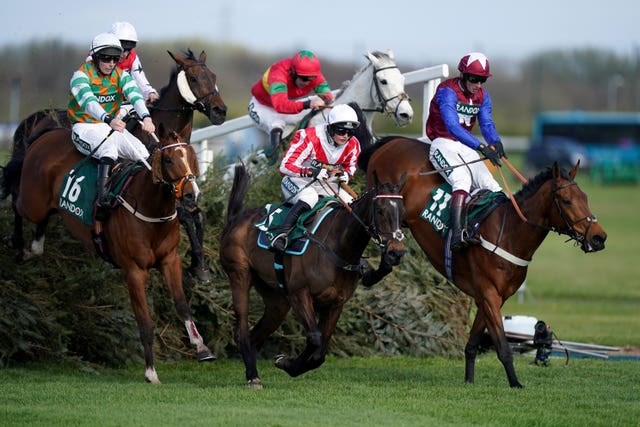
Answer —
(573, 216)
(388, 210)
(198, 87)
(174, 164)
(568, 211)
(388, 83)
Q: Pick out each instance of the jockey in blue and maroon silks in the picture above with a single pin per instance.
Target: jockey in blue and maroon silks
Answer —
(278, 97)
(458, 104)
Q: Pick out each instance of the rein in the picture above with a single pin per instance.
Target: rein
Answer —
(176, 189)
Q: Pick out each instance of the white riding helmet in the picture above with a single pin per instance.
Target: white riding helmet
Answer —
(343, 116)
(124, 31)
(106, 44)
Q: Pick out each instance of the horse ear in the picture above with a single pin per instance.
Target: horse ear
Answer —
(390, 54)
(376, 181)
(372, 58)
(178, 59)
(574, 170)
(203, 57)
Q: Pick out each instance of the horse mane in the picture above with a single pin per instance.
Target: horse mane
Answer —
(362, 132)
(188, 54)
(368, 150)
(534, 184)
(377, 54)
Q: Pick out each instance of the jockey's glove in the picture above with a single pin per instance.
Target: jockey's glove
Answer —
(499, 148)
(490, 154)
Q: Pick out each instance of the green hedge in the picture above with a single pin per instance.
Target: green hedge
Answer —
(73, 306)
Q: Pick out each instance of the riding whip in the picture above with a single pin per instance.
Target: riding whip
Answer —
(451, 167)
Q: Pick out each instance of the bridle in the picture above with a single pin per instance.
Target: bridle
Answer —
(382, 102)
(374, 231)
(193, 102)
(177, 185)
(569, 229)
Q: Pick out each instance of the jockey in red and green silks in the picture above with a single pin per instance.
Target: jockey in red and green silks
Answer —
(284, 94)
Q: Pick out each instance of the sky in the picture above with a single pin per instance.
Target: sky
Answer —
(419, 32)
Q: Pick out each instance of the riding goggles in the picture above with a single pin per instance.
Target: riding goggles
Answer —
(109, 58)
(472, 78)
(338, 130)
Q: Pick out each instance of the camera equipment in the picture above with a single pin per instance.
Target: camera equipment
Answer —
(542, 341)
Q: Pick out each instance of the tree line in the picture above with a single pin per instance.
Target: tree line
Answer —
(38, 73)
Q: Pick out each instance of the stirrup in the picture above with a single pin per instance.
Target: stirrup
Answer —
(279, 242)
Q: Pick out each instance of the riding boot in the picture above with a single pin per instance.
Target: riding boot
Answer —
(102, 200)
(457, 233)
(282, 231)
(275, 138)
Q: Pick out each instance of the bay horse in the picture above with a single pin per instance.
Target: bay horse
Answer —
(139, 238)
(492, 272)
(317, 283)
(192, 86)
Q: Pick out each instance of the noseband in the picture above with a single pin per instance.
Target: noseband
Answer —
(176, 186)
(373, 230)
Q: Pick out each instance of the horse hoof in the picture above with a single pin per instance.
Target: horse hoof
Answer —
(255, 383)
(281, 361)
(206, 356)
(202, 274)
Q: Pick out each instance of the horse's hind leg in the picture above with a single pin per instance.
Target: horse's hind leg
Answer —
(240, 284)
(472, 347)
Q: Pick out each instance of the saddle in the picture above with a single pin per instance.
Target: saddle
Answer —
(477, 209)
(307, 223)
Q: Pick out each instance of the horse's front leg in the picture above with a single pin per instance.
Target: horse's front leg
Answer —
(302, 305)
(192, 223)
(37, 244)
(171, 268)
(136, 279)
(493, 318)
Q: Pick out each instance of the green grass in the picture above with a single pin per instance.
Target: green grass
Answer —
(346, 392)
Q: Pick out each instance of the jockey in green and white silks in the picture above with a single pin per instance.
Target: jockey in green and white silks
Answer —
(98, 88)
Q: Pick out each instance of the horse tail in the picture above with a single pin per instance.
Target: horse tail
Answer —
(238, 192)
(36, 123)
(10, 178)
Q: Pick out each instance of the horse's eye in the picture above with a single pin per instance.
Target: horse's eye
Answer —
(383, 81)
(168, 160)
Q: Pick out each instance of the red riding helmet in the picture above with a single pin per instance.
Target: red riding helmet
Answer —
(305, 63)
(475, 63)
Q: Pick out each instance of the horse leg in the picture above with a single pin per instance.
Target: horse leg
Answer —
(136, 279)
(192, 223)
(37, 244)
(240, 283)
(328, 319)
(472, 347)
(302, 305)
(171, 268)
(276, 307)
(493, 319)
